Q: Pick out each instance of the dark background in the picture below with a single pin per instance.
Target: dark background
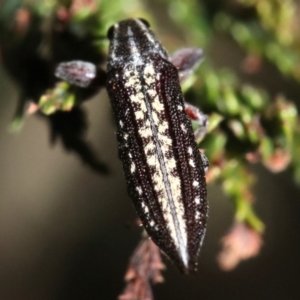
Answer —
(67, 232)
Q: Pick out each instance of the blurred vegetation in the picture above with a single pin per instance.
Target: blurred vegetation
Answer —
(247, 124)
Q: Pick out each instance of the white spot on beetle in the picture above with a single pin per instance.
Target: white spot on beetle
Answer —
(139, 115)
(139, 190)
(191, 162)
(195, 183)
(155, 117)
(149, 70)
(172, 163)
(163, 127)
(132, 168)
(151, 93)
(157, 105)
(151, 160)
(145, 132)
(149, 148)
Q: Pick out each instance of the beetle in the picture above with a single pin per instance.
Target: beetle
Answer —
(164, 169)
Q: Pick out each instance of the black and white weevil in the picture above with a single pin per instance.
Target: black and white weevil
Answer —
(164, 169)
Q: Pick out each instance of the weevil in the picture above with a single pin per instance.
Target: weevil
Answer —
(164, 169)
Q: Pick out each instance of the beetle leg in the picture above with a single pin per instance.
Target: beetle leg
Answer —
(205, 161)
(199, 118)
(80, 73)
(186, 60)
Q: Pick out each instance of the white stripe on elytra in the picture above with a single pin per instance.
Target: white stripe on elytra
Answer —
(162, 160)
(173, 202)
(146, 31)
